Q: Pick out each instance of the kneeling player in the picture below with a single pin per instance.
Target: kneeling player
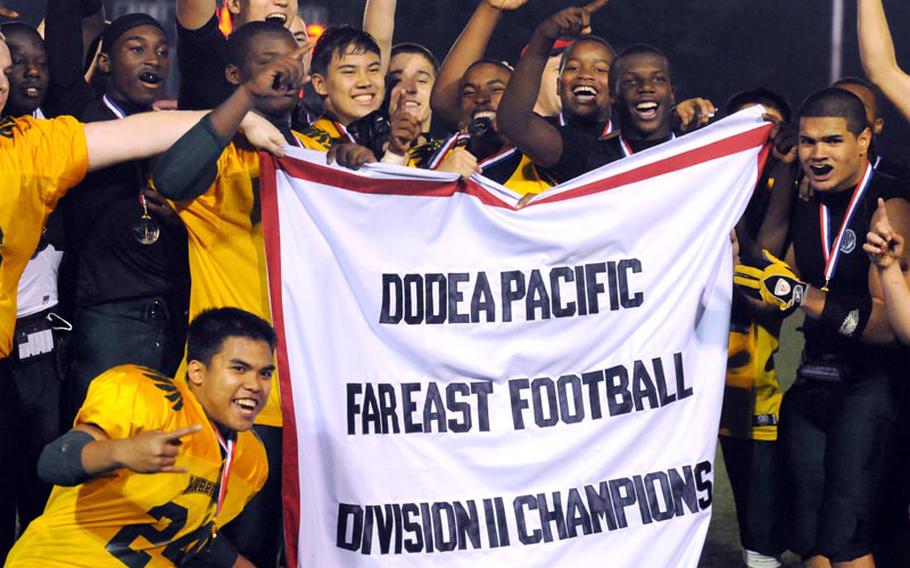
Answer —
(153, 463)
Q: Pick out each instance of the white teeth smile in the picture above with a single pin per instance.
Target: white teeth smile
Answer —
(584, 89)
(277, 17)
(246, 403)
(644, 107)
(365, 99)
(485, 114)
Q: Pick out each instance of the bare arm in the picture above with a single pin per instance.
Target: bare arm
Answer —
(468, 48)
(886, 251)
(379, 22)
(534, 136)
(776, 225)
(193, 14)
(876, 50)
(148, 452)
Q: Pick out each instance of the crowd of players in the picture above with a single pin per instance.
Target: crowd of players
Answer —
(107, 257)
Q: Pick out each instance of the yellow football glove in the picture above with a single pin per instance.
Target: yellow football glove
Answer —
(770, 280)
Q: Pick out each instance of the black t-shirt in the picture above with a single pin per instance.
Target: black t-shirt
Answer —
(584, 148)
(852, 273)
(103, 255)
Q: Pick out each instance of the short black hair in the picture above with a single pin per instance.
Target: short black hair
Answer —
(209, 330)
(416, 49)
(632, 50)
(238, 43)
(582, 39)
(832, 102)
(761, 96)
(11, 28)
(863, 83)
(490, 61)
(336, 40)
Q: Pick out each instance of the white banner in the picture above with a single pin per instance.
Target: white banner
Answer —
(467, 384)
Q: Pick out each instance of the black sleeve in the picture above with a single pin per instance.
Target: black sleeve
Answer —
(189, 167)
(60, 462)
(201, 58)
(67, 91)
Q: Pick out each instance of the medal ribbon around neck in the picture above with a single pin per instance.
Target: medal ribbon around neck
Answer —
(228, 447)
(443, 151)
(113, 107)
(831, 252)
(344, 131)
(500, 156)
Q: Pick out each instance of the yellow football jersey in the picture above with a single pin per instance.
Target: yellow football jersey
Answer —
(133, 519)
(752, 395)
(227, 249)
(39, 161)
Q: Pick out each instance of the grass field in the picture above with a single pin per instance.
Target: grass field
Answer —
(722, 549)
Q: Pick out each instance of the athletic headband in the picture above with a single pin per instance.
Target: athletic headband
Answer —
(123, 24)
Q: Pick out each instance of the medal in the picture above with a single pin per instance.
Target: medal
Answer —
(831, 251)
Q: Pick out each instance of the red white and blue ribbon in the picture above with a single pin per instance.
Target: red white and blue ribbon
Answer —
(344, 131)
(831, 251)
(113, 107)
(498, 157)
(443, 151)
(228, 447)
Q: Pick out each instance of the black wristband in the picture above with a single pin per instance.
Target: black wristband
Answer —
(61, 460)
(845, 313)
(190, 166)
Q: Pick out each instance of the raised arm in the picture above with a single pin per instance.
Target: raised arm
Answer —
(836, 309)
(379, 22)
(189, 167)
(193, 14)
(876, 50)
(67, 93)
(468, 48)
(534, 136)
(886, 250)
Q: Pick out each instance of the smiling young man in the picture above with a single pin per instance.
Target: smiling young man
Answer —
(214, 184)
(347, 75)
(412, 73)
(836, 419)
(582, 137)
(642, 97)
(154, 465)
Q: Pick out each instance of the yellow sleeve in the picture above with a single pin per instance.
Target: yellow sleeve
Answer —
(123, 401)
(203, 215)
(55, 150)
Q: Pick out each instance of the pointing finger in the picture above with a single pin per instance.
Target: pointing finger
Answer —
(595, 6)
(182, 432)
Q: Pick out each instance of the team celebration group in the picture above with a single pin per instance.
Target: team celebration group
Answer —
(133, 296)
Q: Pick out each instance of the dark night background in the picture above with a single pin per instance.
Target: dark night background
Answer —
(716, 47)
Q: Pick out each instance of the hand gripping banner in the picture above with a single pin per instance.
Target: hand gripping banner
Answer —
(469, 384)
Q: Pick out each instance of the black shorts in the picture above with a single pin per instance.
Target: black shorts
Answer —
(835, 438)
